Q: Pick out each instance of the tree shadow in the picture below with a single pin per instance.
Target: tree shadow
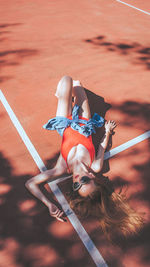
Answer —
(139, 242)
(143, 170)
(29, 236)
(6, 25)
(140, 54)
(136, 114)
(12, 57)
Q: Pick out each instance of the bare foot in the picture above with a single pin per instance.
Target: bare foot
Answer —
(76, 83)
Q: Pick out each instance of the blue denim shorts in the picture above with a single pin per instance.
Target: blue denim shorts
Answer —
(60, 123)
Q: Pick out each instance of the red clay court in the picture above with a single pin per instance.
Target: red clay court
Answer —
(105, 45)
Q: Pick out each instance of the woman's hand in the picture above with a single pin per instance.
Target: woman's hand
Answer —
(110, 126)
(56, 212)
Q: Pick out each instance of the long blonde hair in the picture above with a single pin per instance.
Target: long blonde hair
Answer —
(111, 209)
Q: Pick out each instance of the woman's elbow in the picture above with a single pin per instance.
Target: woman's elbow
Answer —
(97, 166)
(29, 184)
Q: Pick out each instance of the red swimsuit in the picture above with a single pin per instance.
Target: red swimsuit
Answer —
(73, 138)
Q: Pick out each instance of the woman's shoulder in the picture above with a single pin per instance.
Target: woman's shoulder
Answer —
(61, 165)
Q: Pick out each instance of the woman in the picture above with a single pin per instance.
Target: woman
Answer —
(78, 158)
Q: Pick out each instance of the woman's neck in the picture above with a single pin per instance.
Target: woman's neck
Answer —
(79, 168)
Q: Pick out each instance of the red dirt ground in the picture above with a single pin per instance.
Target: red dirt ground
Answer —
(106, 45)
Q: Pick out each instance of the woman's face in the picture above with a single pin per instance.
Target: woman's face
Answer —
(87, 189)
(85, 183)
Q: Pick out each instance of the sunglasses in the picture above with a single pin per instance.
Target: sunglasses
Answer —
(84, 180)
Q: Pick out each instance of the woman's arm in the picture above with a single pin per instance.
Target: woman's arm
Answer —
(33, 186)
(98, 162)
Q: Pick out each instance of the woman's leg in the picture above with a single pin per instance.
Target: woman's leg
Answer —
(80, 98)
(64, 95)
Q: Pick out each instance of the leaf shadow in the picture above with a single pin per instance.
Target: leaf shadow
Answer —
(12, 57)
(139, 54)
(29, 236)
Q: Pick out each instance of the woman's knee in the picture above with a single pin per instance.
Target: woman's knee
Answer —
(64, 86)
(66, 80)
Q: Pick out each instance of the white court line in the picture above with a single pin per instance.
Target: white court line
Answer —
(22, 134)
(126, 145)
(147, 13)
(93, 251)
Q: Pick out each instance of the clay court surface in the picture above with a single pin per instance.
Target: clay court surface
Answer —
(106, 45)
